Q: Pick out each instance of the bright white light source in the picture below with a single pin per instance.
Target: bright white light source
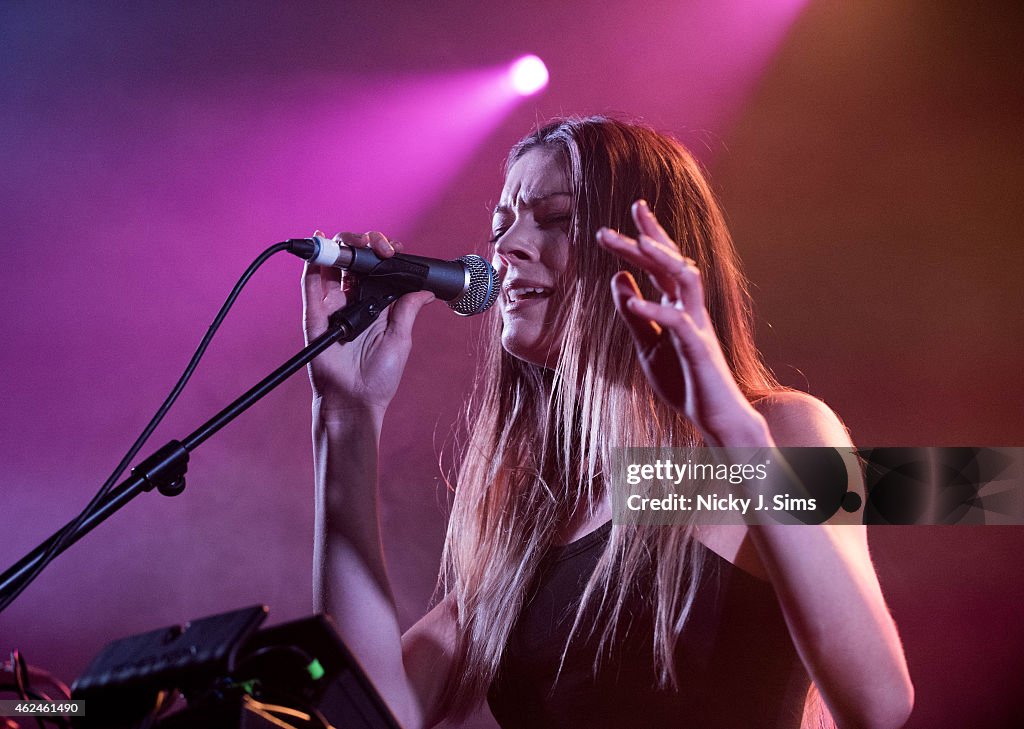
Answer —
(528, 75)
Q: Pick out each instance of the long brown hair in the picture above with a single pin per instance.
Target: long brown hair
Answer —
(538, 440)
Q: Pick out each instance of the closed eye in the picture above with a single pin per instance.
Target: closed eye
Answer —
(560, 220)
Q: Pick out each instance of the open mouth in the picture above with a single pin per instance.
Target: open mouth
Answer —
(517, 294)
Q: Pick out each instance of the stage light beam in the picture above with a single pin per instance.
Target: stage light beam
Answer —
(528, 75)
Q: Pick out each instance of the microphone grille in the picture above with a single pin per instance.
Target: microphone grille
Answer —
(482, 290)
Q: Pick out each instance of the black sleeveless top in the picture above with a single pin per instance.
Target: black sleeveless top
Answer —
(735, 662)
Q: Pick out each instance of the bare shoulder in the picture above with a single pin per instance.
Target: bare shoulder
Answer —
(797, 419)
(427, 653)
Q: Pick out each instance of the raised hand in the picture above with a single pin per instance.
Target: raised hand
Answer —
(675, 338)
(362, 374)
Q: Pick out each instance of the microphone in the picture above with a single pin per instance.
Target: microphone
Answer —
(469, 283)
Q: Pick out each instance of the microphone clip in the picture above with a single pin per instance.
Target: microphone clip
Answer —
(371, 294)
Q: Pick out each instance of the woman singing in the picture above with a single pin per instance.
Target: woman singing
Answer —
(624, 320)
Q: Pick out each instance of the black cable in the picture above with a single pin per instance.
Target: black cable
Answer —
(57, 545)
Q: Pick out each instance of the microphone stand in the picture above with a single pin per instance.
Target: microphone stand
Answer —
(165, 469)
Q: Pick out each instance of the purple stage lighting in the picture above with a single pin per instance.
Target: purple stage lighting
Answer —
(528, 75)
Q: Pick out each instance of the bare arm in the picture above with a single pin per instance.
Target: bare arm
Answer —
(822, 575)
(352, 387)
(350, 580)
(829, 591)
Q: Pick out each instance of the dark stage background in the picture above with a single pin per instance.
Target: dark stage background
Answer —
(869, 157)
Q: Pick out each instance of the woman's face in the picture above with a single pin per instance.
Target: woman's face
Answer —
(531, 254)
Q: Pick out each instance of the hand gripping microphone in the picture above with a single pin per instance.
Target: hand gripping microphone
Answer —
(469, 284)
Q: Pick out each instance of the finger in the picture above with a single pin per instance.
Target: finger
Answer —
(631, 249)
(645, 331)
(673, 319)
(402, 314)
(318, 281)
(621, 245)
(639, 255)
(380, 244)
(353, 240)
(311, 286)
(337, 278)
(321, 295)
(331, 282)
(322, 291)
(330, 277)
(677, 276)
(647, 224)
